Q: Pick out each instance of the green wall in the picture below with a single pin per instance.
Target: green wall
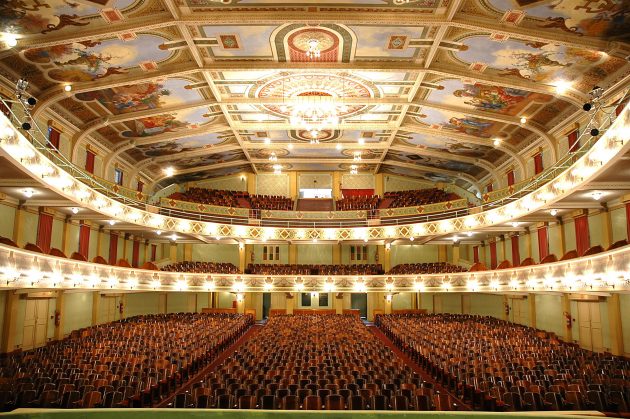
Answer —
(549, 313)
(413, 254)
(78, 311)
(227, 253)
(142, 303)
(7, 215)
(314, 254)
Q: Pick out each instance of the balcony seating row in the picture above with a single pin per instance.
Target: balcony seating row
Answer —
(352, 203)
(418, 197)
(500, 366)
(263, 269)
(202, 267)
(425, 268)
(129, 363)
(234, 199)
(31, 247)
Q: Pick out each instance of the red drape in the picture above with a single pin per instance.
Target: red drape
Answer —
(489, 187)
(510, 177)
(357, 192)
(493, 255)
(135, 256)
(113, 248)
(619, 108)
(44, 231)
(538, 163)
(516, 251)
(628, 221)
(53, 137)
(84, 240)
(543, 243)
(6, 109)
(476, 254)
(140, 186)
(153, 252)
(582, 239)
(572, 138)
(89, 161)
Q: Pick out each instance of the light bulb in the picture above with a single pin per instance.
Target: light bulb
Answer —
(523, 120)
(10, 40)
(67, 87)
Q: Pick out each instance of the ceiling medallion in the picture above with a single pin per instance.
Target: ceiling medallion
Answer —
(313, 51)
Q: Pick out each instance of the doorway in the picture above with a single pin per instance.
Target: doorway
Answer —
(266, 305)
(35, 323)
(358, 301)
(590, 322)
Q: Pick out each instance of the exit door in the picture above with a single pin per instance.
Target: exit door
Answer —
(358, 301)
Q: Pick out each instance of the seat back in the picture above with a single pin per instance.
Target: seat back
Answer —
(78, 256)
(550, 258)
(312, 403)
(100, 260)
(31, 247)
(56, 252)
(593, 250)
(571, 254)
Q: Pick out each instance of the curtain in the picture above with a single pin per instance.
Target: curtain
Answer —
(543, 243)
(475, 254)
(89, 161)
(619, 108)
(538, 163)
(516, 252)
(356, 192)
(6, 109)
(53, 137)
(153, 252)
(135, 256)
(140, 186)
(489, 187)
(44, 231)
(582, 239)
(628, 220)
(113, 248)
(572, 138)
(510, 177)
(84, 240)
(493, 255)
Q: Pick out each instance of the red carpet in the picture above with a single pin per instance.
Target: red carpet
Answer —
(229, 351)
(416, 368)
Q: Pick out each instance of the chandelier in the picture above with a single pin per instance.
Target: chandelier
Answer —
(273, 156)
(311, 113)
(313, 49)
(357, 156)
(277, 169)
(354, 169)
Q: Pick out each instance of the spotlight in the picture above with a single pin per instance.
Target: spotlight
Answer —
(596, 195)
(31, 101)
(594, 132)
(26, 126)
(411, 238)
(587, 106)
(158, 232)
(361, 141)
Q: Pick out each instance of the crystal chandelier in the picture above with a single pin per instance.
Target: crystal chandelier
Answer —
(357, 156)
(354, 169)
(277, 169)
(313, 49)
(314, 112)
(273, 156)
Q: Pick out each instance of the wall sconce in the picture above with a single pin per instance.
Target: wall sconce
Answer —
(240, 298)
(388, 298)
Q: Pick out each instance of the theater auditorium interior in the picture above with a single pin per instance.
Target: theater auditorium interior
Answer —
(251, 208)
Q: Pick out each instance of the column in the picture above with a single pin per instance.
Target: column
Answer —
(18, 231)
(528, 244)
(606, 228)
(455, 254)
(482, 253)
(7, 343)
(292, 254)
(61, 312)
(336, 254)
(188, 251)
(388, 303)
(251, 183)
(614, 320)
(531, 300)
(379, 184)
(504, 247)
(290, 297)
(384, 257)
(242, 256)
(147, 254)
(293, 186)
(338, 302)
(173, 252)
(506, 303)
(336, 186)
(96, 306)
(64, 237)
(561, 239)
(98, 240)
(566, 308)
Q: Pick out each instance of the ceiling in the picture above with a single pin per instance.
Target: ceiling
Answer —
(207, 86)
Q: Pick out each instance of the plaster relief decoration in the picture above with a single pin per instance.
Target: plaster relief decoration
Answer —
(45, 16)
(392, 42)
(582, 17)
(272, 184)
(93, 60)
(225, 41)
(143, 96)
(343, 5)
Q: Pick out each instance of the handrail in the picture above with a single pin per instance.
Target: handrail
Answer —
(602, 272)
(41, 143)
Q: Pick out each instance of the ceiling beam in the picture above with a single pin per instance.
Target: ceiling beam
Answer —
(577, 205)
(606, 186)
(208, 167)
(49, 203)
(422, 168)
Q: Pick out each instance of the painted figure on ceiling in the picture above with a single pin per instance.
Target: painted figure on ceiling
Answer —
(495, 98)
(469, 125)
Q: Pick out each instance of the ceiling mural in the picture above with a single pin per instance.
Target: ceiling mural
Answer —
(143, 96)
(446, 145)
(45, 16)
(183, 145)
(94, 60)
(581, 17)
(196, 84)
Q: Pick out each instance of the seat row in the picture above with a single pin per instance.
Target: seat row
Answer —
(425, 268)
(497, 365)
(418, 197)
(294, 269)
(234, 199)
(130, 363)
(202, 267)
(357, 203)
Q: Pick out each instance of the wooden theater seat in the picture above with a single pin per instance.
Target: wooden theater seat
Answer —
(100, 260)
(594, 250)
(476, 267)
(8, 242)
(33, 248)
(528, 262)
(56, 252)
(150, 266)
(78, 256)
(571, 254)
(618, 244)
(550, 258)
(504, 265)
(123, 263)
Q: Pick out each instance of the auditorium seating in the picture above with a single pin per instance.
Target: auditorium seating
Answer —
(351, 203)
(129, 363)
(425, 268)
(234, 199)
(418, 197)
(502, 366)
(365, 269)
(312, 362)
(202, 267)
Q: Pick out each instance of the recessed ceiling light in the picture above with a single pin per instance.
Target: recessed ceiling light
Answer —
(469, 234)
(596, 195)
(267, 140)
(290, 146)
(28, 192)
(523, 120)
(74, 210)
(10, 40)
(361, 141)
(112, 222)
(174, 237)
(411, 238)
(338, 146)
(496, 142)
(553, 212)
(67, 87)
(514, 223)
(169, 171)
(158, 232)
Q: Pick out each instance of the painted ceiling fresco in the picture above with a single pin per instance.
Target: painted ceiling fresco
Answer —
(420, 98)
